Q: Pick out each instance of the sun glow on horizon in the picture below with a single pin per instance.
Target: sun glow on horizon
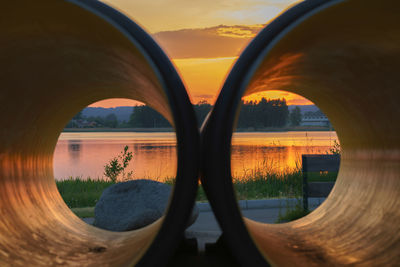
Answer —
(203, 40)
(291, 98)
(115, 102)
(203, 77)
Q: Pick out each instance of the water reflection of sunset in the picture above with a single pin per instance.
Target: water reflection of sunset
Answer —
(154, 154)
(275, 152)
(85, 154)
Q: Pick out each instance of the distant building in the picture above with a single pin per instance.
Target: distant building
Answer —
(84, 124)
(315, 120)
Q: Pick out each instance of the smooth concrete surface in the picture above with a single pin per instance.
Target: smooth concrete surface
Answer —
(267, 203)
(206, 228)
(262, 211)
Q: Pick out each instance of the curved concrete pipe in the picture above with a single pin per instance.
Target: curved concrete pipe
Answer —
(57, 57)
(345, 57)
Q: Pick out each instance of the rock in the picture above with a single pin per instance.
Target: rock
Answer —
(133, 204)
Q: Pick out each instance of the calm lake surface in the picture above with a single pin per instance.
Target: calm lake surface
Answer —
(154, 154)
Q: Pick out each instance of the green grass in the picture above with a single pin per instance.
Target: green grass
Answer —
(77, 192)
(86, 212)
(322, 177)
(269, 185)
(292, 214)
(261, 184)
(201, 195)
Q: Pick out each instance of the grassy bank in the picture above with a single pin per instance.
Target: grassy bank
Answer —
(285, 129)
(271, 185)
(78, 193)
(251, 129)
(89, 130)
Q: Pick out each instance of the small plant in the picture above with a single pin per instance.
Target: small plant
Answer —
(117, 166)
(336, 148)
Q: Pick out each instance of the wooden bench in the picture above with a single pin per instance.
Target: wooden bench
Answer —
(318, 163)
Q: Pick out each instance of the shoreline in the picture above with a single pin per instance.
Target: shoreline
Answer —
(127, 130)
(166, 130)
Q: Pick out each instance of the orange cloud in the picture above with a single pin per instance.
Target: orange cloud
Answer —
(239, 31)
(213, 42)
(202, 53)
(166, 15)
(203, 57)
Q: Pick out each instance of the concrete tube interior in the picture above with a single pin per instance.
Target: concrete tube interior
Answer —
(57, 57)
(344, 56)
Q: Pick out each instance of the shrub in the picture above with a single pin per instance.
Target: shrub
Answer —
(117, 166)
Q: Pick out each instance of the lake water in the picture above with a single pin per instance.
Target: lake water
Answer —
(154, 154)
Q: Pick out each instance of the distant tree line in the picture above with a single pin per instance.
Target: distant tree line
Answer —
(264, 113)
(261, 114)
(253, 114)
(146, 117)
(109, 121)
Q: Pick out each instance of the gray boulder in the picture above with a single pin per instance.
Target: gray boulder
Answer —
(133, 204)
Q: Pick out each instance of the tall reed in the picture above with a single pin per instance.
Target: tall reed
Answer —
(267, 181)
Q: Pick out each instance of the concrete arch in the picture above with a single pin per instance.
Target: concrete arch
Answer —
(344, 56)
(56, 57)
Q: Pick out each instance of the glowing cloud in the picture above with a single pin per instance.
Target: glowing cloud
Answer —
(166, 15)
(213, 42)
(202, 52)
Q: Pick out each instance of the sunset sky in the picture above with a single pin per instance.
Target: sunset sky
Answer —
(203, 38)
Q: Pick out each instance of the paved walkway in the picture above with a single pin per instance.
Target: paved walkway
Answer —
(206, 222)
(207, 230)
